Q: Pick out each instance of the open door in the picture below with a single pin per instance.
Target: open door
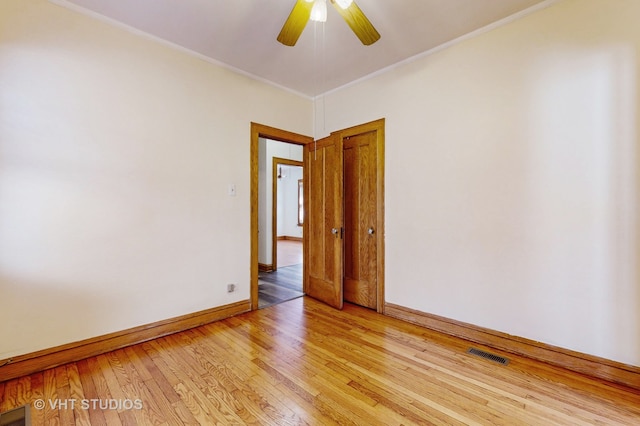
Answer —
(323, 220)
(361, 234)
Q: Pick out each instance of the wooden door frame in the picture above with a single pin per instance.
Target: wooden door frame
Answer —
(262, 131)
(274, 205)
(378, 127)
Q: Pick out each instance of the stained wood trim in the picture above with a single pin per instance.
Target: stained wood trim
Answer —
(397, 373)
(263, 267)
(261, 131)
(289, 238)
(589, 365)
(48, 358)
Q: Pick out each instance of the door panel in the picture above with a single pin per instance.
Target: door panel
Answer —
(323, 198)
(360, 203)
(344, 191)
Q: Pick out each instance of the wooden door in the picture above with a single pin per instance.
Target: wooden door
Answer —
(323, 220)
(360, 219)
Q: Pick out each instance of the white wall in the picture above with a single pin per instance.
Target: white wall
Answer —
(116, 153)
(287, 207)
(512, 177)
(267, 150)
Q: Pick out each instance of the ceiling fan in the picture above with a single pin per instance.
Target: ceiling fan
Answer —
(316, 10)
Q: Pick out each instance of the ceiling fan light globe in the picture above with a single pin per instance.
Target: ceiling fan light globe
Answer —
(319, 11)
(344, 4)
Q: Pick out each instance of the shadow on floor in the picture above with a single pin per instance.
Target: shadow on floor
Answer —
(279, 286)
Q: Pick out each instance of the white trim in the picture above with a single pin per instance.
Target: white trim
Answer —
(110, 21)
(509, 19)
(504, 21)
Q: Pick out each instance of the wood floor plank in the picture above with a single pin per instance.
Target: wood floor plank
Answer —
(51, 414)
(229, 387)
(302, 362)
(168, 382)
(200, 399)
(95, 386)
(23, 391)
(9, 400)
(139, 391)
(76, 393)
(90, 391)
(37, 394)
(63, 391)
(105, 386)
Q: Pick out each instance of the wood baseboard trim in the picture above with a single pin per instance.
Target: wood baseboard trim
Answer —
(589, 365)
(289, 238)
(263, 267)
(48, 358)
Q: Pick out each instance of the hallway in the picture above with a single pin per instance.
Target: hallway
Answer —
(286, 282)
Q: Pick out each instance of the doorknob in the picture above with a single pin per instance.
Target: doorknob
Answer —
(371, 231)
(334, 231)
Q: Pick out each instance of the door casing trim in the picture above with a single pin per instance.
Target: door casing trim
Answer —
(262, 131)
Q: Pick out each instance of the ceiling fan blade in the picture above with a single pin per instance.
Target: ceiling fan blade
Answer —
(295, 23)
(358, 23)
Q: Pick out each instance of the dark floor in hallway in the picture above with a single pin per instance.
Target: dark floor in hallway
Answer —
(280, 285)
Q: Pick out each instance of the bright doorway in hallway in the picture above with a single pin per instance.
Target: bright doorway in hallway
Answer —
(289, 253)
(280, 209)
(285, 283)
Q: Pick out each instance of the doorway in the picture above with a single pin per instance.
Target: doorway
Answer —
(280, 276)
(288, 211)
(324, 222)
(261, 132)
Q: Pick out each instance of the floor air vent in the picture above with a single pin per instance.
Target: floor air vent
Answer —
(486, 355)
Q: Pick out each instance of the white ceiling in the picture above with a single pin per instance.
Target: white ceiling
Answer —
(242, 33)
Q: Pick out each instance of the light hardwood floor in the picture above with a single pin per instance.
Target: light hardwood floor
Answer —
(301, 362)
(289, 253)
